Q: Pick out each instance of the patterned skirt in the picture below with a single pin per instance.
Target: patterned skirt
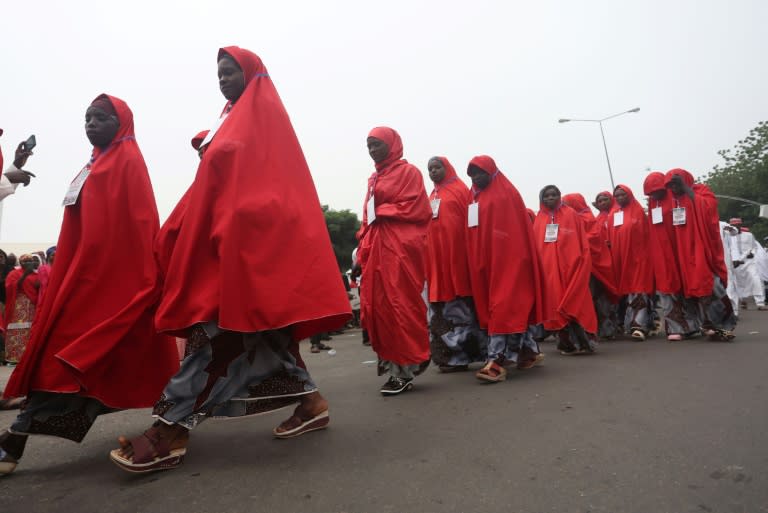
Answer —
(231, 374)
(19, 328)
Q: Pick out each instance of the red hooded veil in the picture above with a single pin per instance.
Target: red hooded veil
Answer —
(666, 272)
(602, 264)
(93, 333)
(447, 270)
(392, 253)
(698, 247)
(247, 246)
(504, 266)
(629, 247)
(566, 264)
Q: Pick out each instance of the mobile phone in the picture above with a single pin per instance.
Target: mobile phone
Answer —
(30, 143)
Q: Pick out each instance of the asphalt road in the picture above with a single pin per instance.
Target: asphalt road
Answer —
(648, 427)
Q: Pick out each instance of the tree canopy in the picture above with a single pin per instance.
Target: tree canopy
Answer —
(342, 226)
(744, 173)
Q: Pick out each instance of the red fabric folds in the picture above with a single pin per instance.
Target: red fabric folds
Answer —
(504, 266)
(698, 246)
(566, 264)
(247, 246)
(629, 248)
(93, 333)
(447, 268)
(392, 253)
(662, 249)
(597, 235)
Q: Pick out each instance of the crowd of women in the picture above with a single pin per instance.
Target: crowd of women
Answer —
(243, 269)
(500, 277)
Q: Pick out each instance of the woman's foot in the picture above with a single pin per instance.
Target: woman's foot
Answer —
(638, 335)
(11, 451)
(674, 337)
(310, 415)
(160, 447)
(492, 372)
(395, 386)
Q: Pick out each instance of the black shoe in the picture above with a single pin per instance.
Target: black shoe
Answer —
(396, 386)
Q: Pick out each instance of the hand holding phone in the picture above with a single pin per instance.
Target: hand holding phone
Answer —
(30, 143)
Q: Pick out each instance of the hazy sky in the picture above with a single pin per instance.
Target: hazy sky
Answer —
(455, 78)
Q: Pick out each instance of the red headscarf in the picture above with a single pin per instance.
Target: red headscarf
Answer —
(566, 264)
(93, 333)
(504, 266)
(666, 271)
(392, 253)
(629, 248)
(447, 270)
(248, 247)
(602, 264)
(698, 246)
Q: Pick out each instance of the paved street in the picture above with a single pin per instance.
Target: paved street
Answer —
(647, 427)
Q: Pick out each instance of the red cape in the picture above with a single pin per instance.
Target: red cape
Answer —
(93, 333)
(504, 266)
(597, 235)
(566, 265)
(447, 268)
(247, 246)
(629, 248)
(662, 248)
(699, 248)
(12, 289)
(392, 254)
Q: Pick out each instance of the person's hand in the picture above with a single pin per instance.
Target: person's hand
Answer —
(21, 157)
(751, 255)
(19, 176)
(737, 263)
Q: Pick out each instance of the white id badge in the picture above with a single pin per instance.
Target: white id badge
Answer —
(435, 207)
(70, 198)
(656, 215)
(213, 130)
(371, 209)
(678, 216)
(473, 216)
(550, 233)
(618, 218)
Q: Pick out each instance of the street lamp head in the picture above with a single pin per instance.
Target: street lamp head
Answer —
(636, 109)
(563, 120)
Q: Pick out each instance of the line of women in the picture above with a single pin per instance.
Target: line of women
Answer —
(242, 270)
(500, 278)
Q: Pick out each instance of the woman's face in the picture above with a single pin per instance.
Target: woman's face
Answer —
(550, 198)
(100, 126)
(480, 178)
(622, 198)
(27, 263)
(377, 149)
(603, 203)
(436, 170)
(231, 79)
(3, 259)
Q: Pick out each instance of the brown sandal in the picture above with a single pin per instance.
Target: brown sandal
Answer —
(151, 452)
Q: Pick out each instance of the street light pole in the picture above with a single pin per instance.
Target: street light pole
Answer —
(602, 134)
(605, 147)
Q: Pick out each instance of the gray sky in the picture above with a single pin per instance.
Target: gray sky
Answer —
(455, 78)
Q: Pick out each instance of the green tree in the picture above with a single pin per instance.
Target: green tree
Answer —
(744, 173)
(342, 226)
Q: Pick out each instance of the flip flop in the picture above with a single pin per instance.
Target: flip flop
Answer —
(143, 460)
(319, 421)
